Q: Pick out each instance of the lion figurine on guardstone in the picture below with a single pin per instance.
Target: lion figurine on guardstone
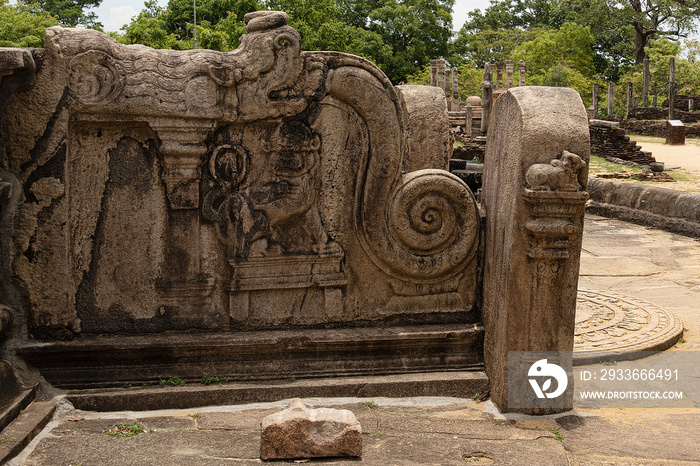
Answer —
(559, 175)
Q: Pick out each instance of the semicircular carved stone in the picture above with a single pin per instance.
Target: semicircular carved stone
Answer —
(95, 77)
(433, 218)
(417, 236)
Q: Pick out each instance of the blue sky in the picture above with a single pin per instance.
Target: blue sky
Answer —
(115, 13)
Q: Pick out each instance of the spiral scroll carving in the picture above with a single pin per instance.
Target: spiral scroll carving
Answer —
(433, 220)
(95, 77)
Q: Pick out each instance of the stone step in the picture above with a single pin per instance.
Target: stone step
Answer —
(453, 384)
(117, 361)
(14, 406)
(17, 435)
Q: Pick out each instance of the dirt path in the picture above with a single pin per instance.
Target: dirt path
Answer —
(687, 157)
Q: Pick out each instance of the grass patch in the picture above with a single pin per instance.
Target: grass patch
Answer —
(557, 434)
(598, 164)
(206, 380)
(458, 144)
(174, 381)
(126, 429)
(370, 404)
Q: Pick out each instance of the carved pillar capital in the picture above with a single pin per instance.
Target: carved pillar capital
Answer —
(182, 148)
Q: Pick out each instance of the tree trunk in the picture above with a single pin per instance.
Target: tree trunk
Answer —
(641, 38)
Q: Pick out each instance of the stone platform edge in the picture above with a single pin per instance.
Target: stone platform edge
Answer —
(667, 209)
(457, 384)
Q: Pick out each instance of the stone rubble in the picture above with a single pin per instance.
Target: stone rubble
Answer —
(300, 432)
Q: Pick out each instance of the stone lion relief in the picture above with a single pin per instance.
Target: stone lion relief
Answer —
(559, 175)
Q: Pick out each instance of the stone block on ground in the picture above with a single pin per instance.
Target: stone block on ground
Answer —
(301, 432)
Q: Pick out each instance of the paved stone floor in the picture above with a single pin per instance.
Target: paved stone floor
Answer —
(619, 259)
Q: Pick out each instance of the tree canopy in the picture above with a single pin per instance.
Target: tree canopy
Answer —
(622, 29)
(70, 13)
(20, 26)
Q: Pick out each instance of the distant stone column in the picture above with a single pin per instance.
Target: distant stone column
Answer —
(521, 73)
(671, 87)
(486, 97)
(448, 84)
(630, 91)
(645, 86)
(433, 72)
(455, 88)
(499, 75)
(595, 100)
(509, 74)
(611, 98)
(468, 119)
(441, 73)
(534, 193)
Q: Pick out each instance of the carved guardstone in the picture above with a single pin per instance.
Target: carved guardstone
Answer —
(534, 196)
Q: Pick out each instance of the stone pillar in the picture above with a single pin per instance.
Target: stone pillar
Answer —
(468, 122)
(448, 84)
(521, 73)
(440, 73)
(595, 100)
(671, 87)
(509, 74)
(645, 86)
(534, 195)
(691, 105)
(499, 75)
(630, 90)
(433, 72)
(486, 97)
(455, 89)
(611, 99)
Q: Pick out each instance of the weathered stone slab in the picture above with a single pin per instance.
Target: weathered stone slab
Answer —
(300, 432)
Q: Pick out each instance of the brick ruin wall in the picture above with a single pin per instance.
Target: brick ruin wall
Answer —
(614, 142)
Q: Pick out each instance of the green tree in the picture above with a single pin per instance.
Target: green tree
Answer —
(622, 28)
(149, 28)
(179, 15)
(653, 18)
(21, 27)
(490, 45)
(416, 31)
(560, 58)
(70, 13)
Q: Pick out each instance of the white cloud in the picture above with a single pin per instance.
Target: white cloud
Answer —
(462, 8)
(119, 16)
